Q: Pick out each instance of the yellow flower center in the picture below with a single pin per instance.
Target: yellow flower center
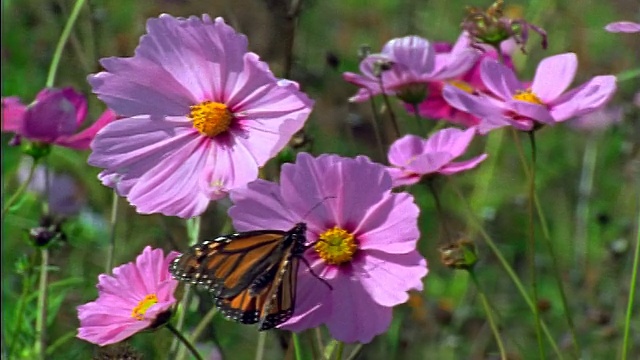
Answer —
(464, 86)
(144, 305)
(336, 246)
(211, 118)
(528, 96)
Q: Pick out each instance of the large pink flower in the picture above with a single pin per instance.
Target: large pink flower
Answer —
(413, 157)
(544, 101)
(129, 301)
(202, 114)
(412, 62)
(365, 241)
(53, 118)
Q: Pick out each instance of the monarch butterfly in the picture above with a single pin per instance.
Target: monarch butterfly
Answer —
(252, 275)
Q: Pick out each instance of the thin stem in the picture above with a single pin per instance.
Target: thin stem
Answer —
(387, 103)
(112, 236)
(487, 309)
(339, 350)
(419, 119)
(585, 189)
(532, 243)
(319, 343)
(57, 55)
(376, 128)
(632, 291)
(185, 341)
(41, 315)
(20, 191)
(505, 264)
(355, 352)
(439, 209)
(26, 286)
(297, 347)
(290, 24)
(203, 324)
(262, 337)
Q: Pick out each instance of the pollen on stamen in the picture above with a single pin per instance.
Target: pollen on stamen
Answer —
(336, 246)
(527, 96)
(211, 118)
(144, 305)
(464, 86)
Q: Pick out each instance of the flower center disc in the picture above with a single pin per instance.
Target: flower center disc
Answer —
(462, 85)
(336, 246)
(211, 118)
(528, 96)
(144, 305)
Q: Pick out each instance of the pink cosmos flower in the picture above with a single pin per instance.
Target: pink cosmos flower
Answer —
(623, 26)
(53, 118)
(544, 102)
(413, 157)
(129, 301)
(411, 63)
(201, 115)
(365, 241)
(435, 106)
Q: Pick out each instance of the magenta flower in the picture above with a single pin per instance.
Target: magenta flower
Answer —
(435, 106)
(623, 26)
(53, 118)
(543, 102)
(405, 66)
(201, 115)
(129, 301)
(413, 157)
(365, 241)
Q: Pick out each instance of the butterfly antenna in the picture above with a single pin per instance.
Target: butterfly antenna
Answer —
(314, 274)
(318, 204)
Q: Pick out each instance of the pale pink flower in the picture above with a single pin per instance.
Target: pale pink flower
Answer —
(623, 26)
(545, 101)
(364, 240)
(202, 114)
(413, 157)
(405, 66)
(598, 120)
(53, 118)
(135, 298)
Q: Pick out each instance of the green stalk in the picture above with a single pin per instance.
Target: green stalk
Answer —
(392, 115)
(64, 37)
(487, 310)
(26, 286)
(112, 236)
(376, 128)
(419, 119)
(505, 265)
(340, 350)
(41, 314)
(20, 191)
(632, 291)
(262, 337)
(297, 347)
(185, 341)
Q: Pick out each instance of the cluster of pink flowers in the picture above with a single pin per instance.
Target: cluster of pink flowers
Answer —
(200, 114)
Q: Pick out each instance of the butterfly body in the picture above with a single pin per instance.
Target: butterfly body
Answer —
(252, 275)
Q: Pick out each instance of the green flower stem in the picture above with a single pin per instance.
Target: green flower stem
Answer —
(632, 291)
(505, 265)
(339, 350)
(554, 259)
(375, 120)
(439, 210)
(20, 191)
(112, 236)
(392, 115)
(419, 120)
(532, 243)
(64, 37)
(203, 325)
(41, 314)
(355, 352)
(585, 189)
(487, 309)
(26, 287)
(184, 340)
(262, 340)
(297, 347)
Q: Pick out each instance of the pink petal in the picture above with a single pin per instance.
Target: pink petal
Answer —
(260, 205)
(400, 177)
(499, 79)
(82, 140)
(388, 277)
(452, 141)
(533, 111)
(623, 26)
(584, 99)
(52, 116)
(12, 114)
(554, 75)
(313, 305)
(472, 104)
(380, 230)
(456, 167)
(413, 52)
(403, 150)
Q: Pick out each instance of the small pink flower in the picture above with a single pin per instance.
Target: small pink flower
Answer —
(53, 118)
(412, 62)
(623, 26)
(129, 301)
(435, 106)
(202, 115)
(365, 241)
(413, 157)
(544, 102)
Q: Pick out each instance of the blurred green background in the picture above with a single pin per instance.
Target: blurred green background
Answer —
(446, 321)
